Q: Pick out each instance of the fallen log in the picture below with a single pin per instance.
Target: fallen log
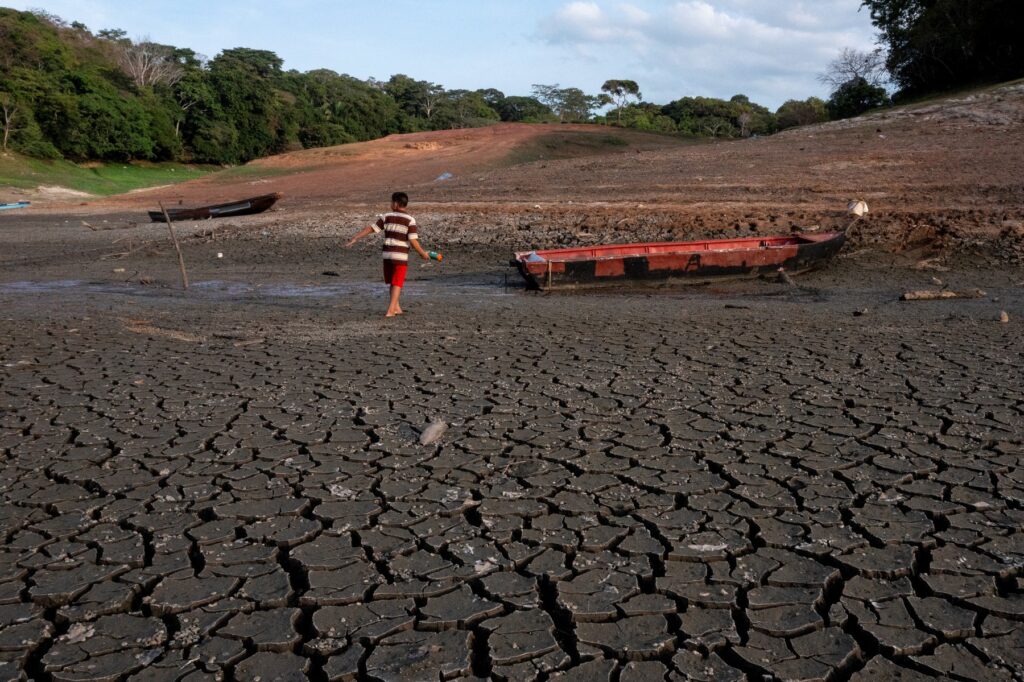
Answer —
(936, 295)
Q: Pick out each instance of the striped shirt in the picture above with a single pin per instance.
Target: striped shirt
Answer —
(399, 227)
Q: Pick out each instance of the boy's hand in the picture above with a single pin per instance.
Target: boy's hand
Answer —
(359, 235)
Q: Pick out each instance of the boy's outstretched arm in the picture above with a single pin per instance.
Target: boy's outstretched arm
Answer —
(362, 233)
(415, 243)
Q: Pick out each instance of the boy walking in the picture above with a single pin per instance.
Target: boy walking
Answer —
(399, 234)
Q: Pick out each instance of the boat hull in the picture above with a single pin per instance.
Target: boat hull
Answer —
(685, 262)
(16, 204)
(235, 208)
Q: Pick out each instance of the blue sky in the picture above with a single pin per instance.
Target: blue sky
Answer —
(770, 51)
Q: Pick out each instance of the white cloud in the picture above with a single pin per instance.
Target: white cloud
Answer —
(712, 47)
(582, 23)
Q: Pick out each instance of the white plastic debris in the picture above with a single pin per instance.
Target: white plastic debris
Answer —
(220, 255)
(433, 432)
(857, 208)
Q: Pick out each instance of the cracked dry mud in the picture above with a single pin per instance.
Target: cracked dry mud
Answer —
(632, 488)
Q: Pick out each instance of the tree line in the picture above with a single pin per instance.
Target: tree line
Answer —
(66, 92)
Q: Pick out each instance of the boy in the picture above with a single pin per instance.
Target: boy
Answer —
(399, 234)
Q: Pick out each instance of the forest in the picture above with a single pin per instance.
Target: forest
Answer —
(67, 92)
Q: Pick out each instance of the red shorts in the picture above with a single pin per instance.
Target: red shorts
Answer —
(394, 272)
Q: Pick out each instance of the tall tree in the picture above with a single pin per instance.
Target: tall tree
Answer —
(794, 113)
(851, 63)
(9, 109)
(621, 91)
(416, 98)
(570, 104)
(940, 44)
(547, 94)
(245, 120)
(517, 108)
(148, 63)
(855, 97)
(575, 105)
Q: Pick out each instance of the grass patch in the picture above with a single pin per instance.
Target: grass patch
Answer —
(571, 144)
(100, 179)
(256, 171)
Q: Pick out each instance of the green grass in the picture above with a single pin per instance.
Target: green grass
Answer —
(100, 179)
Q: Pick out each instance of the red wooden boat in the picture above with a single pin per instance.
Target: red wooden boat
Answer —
(692, 262)
(244, 207)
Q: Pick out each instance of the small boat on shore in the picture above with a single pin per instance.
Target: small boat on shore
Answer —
(244, 207)
(16, 204)
(689, 262)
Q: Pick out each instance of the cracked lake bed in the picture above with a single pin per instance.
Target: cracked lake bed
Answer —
(699, 484)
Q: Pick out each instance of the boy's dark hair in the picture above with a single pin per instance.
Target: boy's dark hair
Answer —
(400, 198)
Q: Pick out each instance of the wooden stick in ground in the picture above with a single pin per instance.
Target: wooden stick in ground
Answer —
(936, 295)
(174, 238)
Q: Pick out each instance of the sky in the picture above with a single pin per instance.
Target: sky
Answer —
(769, 50)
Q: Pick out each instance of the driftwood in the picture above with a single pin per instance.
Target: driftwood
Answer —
(174, 238)
(937, 295)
